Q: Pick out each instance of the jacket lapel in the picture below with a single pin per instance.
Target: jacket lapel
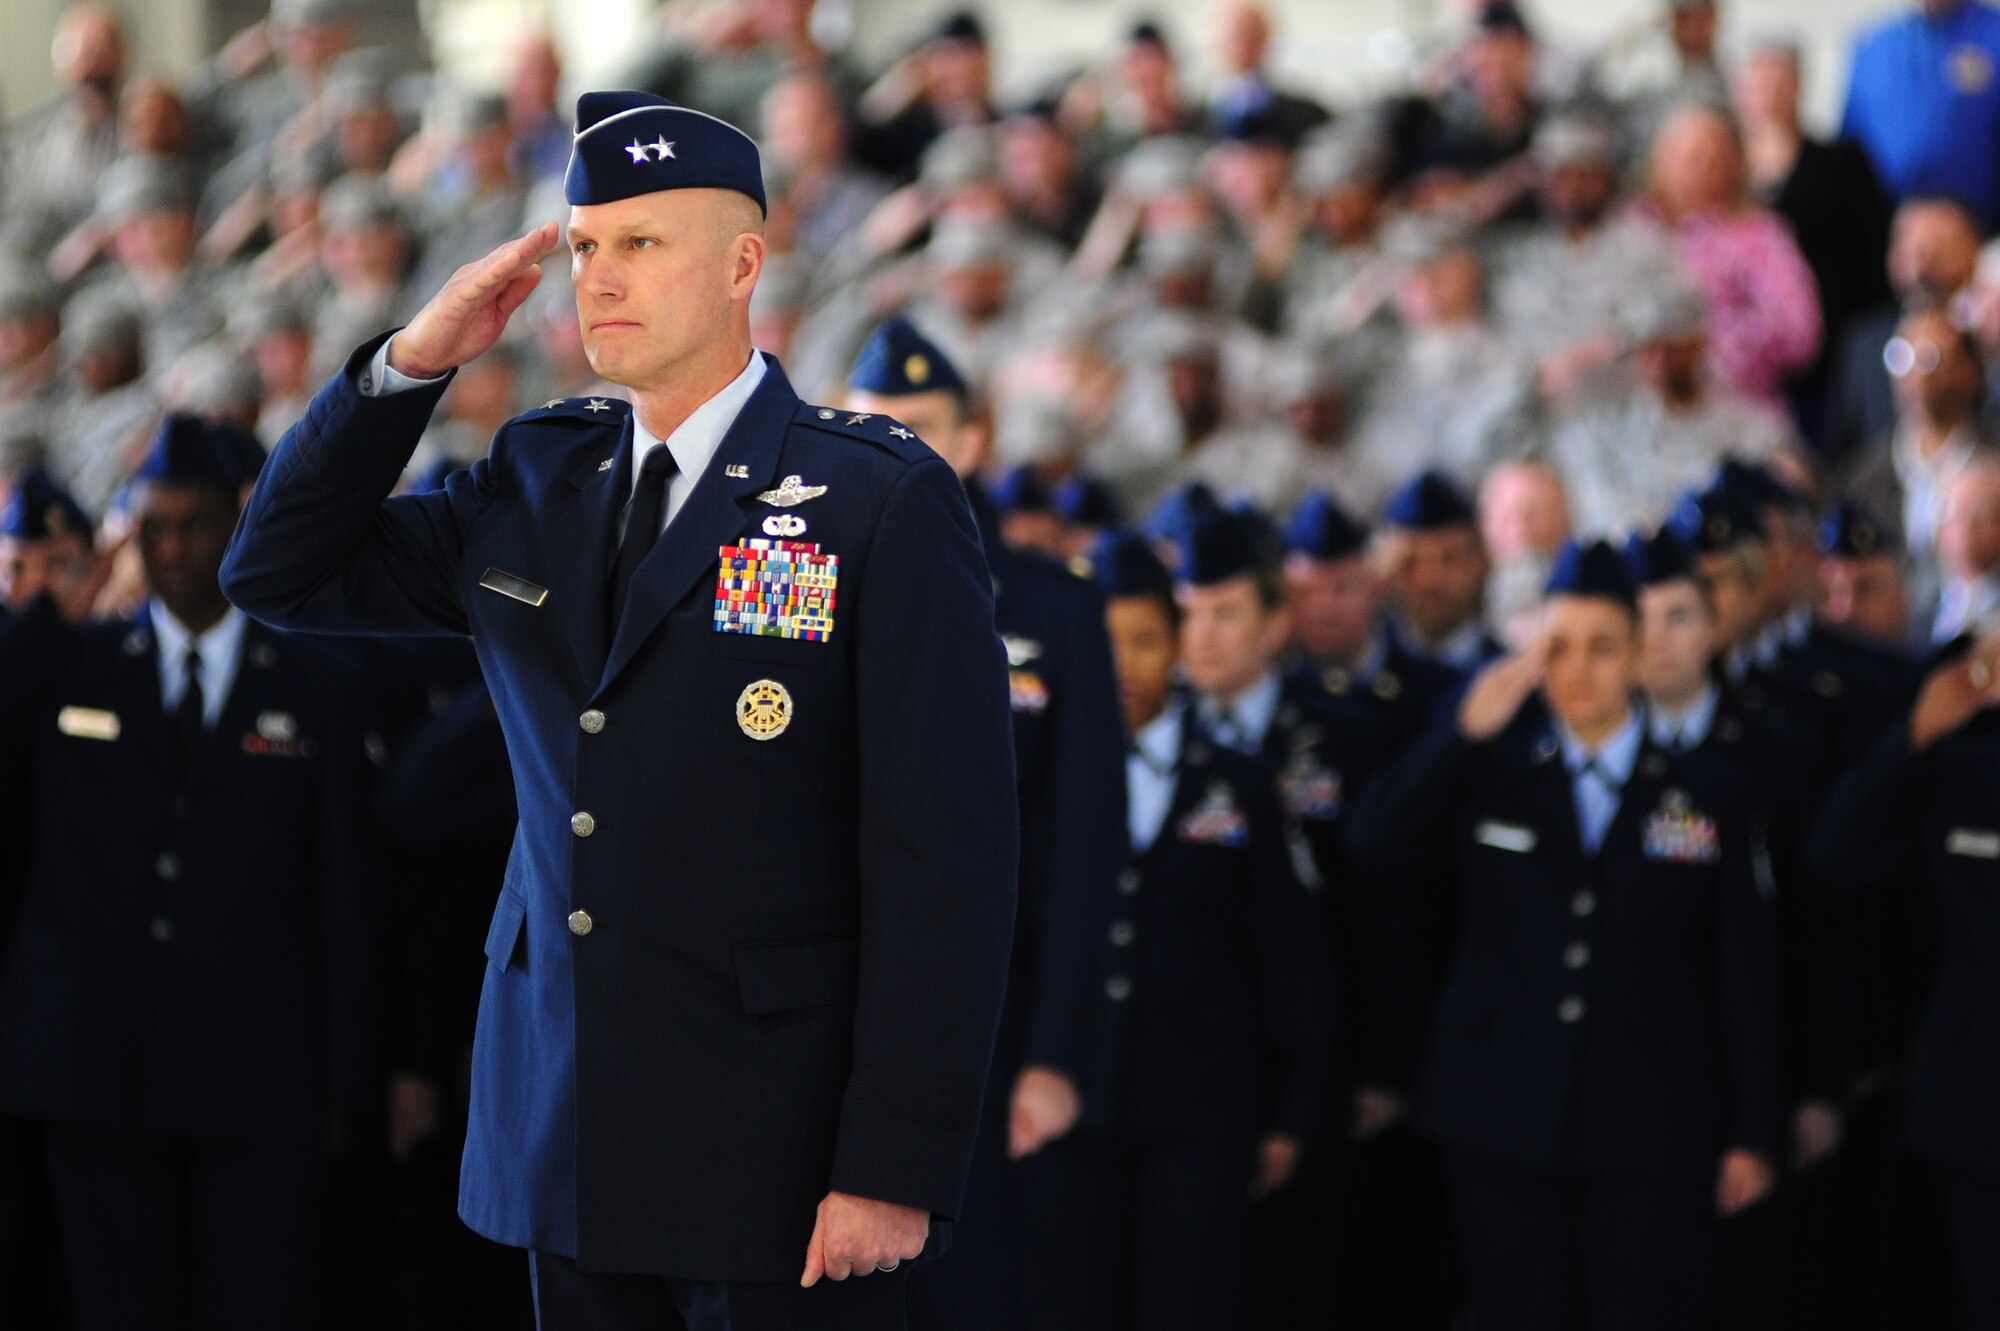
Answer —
(145, 713)
(1555, 797)
(583, 527)
(711, 517)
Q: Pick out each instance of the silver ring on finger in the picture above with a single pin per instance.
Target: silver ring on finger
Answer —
(890, 1267)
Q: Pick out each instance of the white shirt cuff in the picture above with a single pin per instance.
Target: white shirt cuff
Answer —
(380, 379)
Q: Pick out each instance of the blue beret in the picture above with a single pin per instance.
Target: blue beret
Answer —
(1020, 490)
(1850, 531)
(1084, 501)
(1124, 563)
(1233, 543)
(1716, 519)
(40, 508)
(189, 450)
(1172, 518)
(898, 361)
(1661, 557)
(632, 143)
(1596, 569)
(1322, 529)
(1428, 503)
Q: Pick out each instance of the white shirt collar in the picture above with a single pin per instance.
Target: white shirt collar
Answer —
(1615, 757)
(1251, 709)
(1159, 740)
(220, 648)
(1687, 727)
(695, 442)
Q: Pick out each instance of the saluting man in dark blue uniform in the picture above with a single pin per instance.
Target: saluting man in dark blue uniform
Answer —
(1067, 765)
(1603, 1065)
(185, 1003)
(1922, 809)
(1218, 996)
(748, 958)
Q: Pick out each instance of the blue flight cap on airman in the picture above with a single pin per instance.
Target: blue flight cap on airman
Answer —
(632, 143)
(187, 450)
(1595, 569)
(1020, 490)
(1717, 519)
(1661, 557)
(1173, 517)
(1429, 502)
(1850, 531)
(899, 361)
(1233, 543)
(1321, 529)
(40, 508)
(1084, 501)
(1761, 485)
(1124, 563)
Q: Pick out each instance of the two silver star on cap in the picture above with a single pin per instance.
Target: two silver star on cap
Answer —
(660, 149)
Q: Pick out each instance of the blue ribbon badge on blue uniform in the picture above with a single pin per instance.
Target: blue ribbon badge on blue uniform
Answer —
(1679, 833)
(1216, 821)
(776, 589)
(1309, 788)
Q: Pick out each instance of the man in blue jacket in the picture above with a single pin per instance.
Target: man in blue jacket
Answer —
(748, 958)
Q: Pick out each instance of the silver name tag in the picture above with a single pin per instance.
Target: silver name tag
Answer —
(1975, 842)
(1505, 836)
(520, 589)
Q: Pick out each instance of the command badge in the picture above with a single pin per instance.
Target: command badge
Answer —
(764, 709)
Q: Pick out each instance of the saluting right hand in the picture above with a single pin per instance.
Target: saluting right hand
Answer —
(1955, 692)
(1497, 693)
(472, 309)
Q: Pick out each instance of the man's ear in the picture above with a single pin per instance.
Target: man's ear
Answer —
(746, 263)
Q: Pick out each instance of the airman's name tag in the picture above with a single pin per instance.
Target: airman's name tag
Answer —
(519, 589)
(1505, 836)
(1975, 842)
(88, 723)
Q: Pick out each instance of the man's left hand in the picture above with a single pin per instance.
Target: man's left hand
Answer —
(858, 1235)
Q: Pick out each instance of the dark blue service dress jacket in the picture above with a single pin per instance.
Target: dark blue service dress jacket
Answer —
(753, 935)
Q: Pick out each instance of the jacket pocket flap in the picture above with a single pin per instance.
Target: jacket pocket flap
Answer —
(772, 977)
(505, 930)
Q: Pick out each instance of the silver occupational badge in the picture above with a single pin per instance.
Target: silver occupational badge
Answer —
(791, 492)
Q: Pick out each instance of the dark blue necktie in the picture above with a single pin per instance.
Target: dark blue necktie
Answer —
(642, 526)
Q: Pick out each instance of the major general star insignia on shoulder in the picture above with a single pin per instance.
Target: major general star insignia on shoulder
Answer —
(791, 492)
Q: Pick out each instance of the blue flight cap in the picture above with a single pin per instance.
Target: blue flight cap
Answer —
(632, 143)
(1020, 490)
(1174, 516)
(1761, 485)
(1124, 563)
(1849, 531)
(1596, 569)
(40, 508)
(1661, 557)
(1233, 543)
(187, 450)
(899, 361)
(1321, 529)
(1084, 501)
(1429, 502)
(1716, 519)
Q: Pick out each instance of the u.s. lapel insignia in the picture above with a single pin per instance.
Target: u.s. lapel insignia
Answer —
(764, 709)
(1216, 821)
(1020, 650)
(791, 492)
(737, 471)
(784, 524)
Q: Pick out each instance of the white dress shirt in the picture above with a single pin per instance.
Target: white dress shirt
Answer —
(692, 445)
(220, 649)
(1152, 769)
